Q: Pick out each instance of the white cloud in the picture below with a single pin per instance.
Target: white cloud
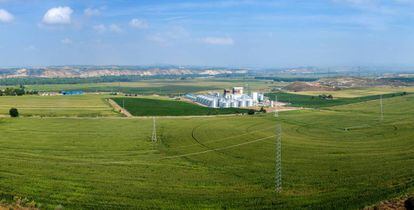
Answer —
(58, 15)
(159, 39)
(5, 16)
(115, 28)
(218, 40)
(92, 12)
(99, 28)
(66, 41)
(169, 37)
(103, 28)
(138, 23)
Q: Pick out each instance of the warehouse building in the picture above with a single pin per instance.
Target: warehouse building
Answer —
(229, 98)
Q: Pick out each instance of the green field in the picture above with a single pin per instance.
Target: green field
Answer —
(358, 92)
(341, 157)
(160, 87)
(160, 107)
(58, 106)
(314, 101)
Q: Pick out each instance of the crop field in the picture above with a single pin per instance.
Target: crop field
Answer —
(358, 92)
(214, 162)
(51, 106)
(314, 101)
(160, 87)
(159, 107)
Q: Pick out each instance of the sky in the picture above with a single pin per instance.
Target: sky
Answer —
(243, 33)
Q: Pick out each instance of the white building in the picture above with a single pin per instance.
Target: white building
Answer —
(235, 98)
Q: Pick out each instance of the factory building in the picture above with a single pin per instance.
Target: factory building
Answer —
(229, 98)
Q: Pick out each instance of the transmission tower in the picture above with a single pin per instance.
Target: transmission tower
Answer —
(276, 108)
(154, 131)
(278, 155)
(382, 108)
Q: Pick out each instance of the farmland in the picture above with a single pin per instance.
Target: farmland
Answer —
(157, 107)
(159, 87)
(358, 92)
(312, 101)
(220, 162)
(58, 106)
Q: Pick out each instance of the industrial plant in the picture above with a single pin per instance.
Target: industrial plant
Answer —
(235, 98)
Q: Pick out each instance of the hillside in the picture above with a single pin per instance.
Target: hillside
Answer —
(307, 86)
(97, 71)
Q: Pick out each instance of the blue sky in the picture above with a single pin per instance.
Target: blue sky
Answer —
(244, 33)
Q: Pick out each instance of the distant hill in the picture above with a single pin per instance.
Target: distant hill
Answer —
(360, 82)
(91, 71)
(307, 86)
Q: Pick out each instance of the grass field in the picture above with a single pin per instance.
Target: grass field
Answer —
(314, 101)
(358, 92)
(220, 162)
(159, 107)
(161, 87)
(52, 106)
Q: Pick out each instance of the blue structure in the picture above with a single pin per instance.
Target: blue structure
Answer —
(72, 92)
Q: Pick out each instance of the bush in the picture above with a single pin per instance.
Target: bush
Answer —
(251, 112)
(409, 203)
(14, 112)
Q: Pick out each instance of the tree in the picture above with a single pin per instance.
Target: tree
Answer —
(251, 112)
(14, 112)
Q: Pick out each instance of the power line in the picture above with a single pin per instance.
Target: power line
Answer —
(154, 131)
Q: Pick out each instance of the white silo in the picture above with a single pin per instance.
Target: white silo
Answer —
(255, 96)
(242, 103)
(235, 104)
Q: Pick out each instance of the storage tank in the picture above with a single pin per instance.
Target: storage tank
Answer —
(255, 96)
(261, 97)
(235, 104)
(242, 103)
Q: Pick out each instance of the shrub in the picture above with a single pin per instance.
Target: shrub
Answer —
(251, 112)
(13, 112)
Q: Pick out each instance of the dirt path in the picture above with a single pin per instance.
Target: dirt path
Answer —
(119, 108)
(392, 204)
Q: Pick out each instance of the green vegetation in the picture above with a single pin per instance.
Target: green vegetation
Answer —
(212, 162)
(79, 80)
(289, 79)
(154, 107)
(16, 91)
(322, 101)
(359, 92)
(170, 87)
(58, 106)
(13, 112)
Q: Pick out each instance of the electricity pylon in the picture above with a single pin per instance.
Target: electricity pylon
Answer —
(154, 131)
(278, 152)
(276, 108)
(278, 155)
(382, 108)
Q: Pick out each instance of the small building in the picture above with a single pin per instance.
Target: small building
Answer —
(72, 92)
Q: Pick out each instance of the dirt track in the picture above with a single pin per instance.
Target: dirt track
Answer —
(119, 108)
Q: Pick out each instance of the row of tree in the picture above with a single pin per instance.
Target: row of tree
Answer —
(17, 91)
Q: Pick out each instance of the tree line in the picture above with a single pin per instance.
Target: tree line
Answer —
(21, 90)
